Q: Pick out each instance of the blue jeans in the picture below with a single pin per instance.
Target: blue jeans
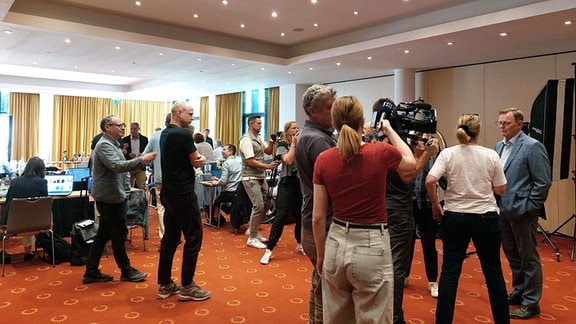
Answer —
(111, 227)
(181, 216)
(456, 230)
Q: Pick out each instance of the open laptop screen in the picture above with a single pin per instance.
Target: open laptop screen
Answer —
(60, 185)
(79, 173)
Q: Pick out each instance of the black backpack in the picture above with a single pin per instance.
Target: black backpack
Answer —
(62, 249)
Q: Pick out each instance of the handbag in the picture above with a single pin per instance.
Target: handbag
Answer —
(86, 230)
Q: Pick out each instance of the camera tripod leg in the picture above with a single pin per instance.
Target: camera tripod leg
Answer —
(547, 238)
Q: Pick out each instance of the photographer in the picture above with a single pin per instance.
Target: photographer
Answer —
(289, 198)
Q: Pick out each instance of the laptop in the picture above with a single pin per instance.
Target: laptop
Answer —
(60, 184)
(81, 176)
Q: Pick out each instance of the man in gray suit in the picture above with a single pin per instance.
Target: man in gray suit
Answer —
(528, 172)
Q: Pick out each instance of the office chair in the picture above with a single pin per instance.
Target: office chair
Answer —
(28, 215)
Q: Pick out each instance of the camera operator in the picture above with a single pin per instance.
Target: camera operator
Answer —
(289, 198)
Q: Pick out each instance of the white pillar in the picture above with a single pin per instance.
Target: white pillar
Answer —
(404, 85)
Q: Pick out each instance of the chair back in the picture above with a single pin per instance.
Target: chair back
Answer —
(28, 215)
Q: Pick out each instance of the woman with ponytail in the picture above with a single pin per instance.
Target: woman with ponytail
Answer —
(354, 257)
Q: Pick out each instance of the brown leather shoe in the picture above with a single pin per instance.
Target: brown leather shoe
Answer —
(515, 299)
(525, 312)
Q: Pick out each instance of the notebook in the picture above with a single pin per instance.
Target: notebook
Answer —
(60, 185)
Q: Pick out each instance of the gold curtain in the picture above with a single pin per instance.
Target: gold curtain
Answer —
(25, 110)
(273, 110)
(229, 118)
(204, 115)
(76, 121)
(149, 114)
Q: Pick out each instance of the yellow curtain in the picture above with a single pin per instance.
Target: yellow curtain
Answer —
(229, 118)
(25, 110)
(204, 115)
(149, 114)
(273, 110)
(76, 121)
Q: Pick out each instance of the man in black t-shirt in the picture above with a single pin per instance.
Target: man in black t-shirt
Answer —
(179, 157)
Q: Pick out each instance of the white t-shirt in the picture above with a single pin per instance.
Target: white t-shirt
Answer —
(472, 171)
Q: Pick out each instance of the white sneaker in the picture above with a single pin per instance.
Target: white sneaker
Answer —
(266, 257)
(433, 286)
(255, 243)
(300, 249)
(261, 238)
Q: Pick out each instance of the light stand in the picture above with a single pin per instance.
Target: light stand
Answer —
(574, 181)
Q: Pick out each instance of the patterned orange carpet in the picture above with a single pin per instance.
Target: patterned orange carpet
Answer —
(243, 290)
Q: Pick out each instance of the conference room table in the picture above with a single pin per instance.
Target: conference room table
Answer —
(66, 210)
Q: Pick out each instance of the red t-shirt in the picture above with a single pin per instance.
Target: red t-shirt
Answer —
(358, 189)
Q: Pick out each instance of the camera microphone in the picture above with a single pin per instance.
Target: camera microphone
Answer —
(382, 110)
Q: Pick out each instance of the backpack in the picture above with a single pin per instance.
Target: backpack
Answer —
(62, 249)
(83, 234)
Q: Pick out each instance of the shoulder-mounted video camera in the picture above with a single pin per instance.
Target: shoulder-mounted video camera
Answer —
(416, 116)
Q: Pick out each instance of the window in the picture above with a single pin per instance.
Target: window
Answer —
(255, 104)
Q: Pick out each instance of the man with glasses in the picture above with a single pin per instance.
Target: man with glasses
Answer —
(109, 189)
(134, 144)
(527, 170)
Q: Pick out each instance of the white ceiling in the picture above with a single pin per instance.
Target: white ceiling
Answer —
(211, 54)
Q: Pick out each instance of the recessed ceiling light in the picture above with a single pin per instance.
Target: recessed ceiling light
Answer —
(117, 47)
(356, 13)
(112, 71)
(274, 14)
(289, 72)
(568, 22)
(503, 34)
(34, 63)
(242, 26)
(369, 58)
(199, 59)
(138, 3)
(315, 24)
(195, 16)
(282, 34)
(233, 64)
(224, 2)
(406, 51)
(314, 1)
(68, 41)
(338, 63)
(310, 68)
(160, 53)
(6, 31)
(76, 67)
(450, 43)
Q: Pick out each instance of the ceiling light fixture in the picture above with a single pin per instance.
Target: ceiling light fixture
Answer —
(242, 26)
(199, 59)
(338, 63)
(117, 47)
(224, 2)
(406, 51)
(315, 24)
(282, 34)
(160, 53)
(6, 31)
(356, 13)
(503, 34)
(274, 14)
(314, 1)
(568, 22)
(68, 41)
(138, 3)
(311, 68)
(450, 43)
(369, 58)
(195, 16)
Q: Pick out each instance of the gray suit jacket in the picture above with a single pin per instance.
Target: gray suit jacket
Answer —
(110, 182)
(528, 174)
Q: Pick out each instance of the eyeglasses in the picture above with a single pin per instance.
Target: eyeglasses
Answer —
(503, 123)
(119, 125)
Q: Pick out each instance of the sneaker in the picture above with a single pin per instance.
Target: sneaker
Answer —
(96, 277)
(168, 290)
(261, 238)
(266, 257)
(300, 249)
(255, 243)
(433, 286)
(193, 292)
(131, 274)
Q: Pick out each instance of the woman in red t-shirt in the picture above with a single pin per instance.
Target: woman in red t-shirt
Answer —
(354, 258)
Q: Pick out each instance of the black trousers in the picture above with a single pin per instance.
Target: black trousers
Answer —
(288, 203)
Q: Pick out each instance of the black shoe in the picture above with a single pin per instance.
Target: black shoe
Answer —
(525, 312)
(96, 277)
(28, 256)
(268, 218)
(515, 299)
(131, 274)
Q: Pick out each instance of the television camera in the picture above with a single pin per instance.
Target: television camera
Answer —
(417, 116)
